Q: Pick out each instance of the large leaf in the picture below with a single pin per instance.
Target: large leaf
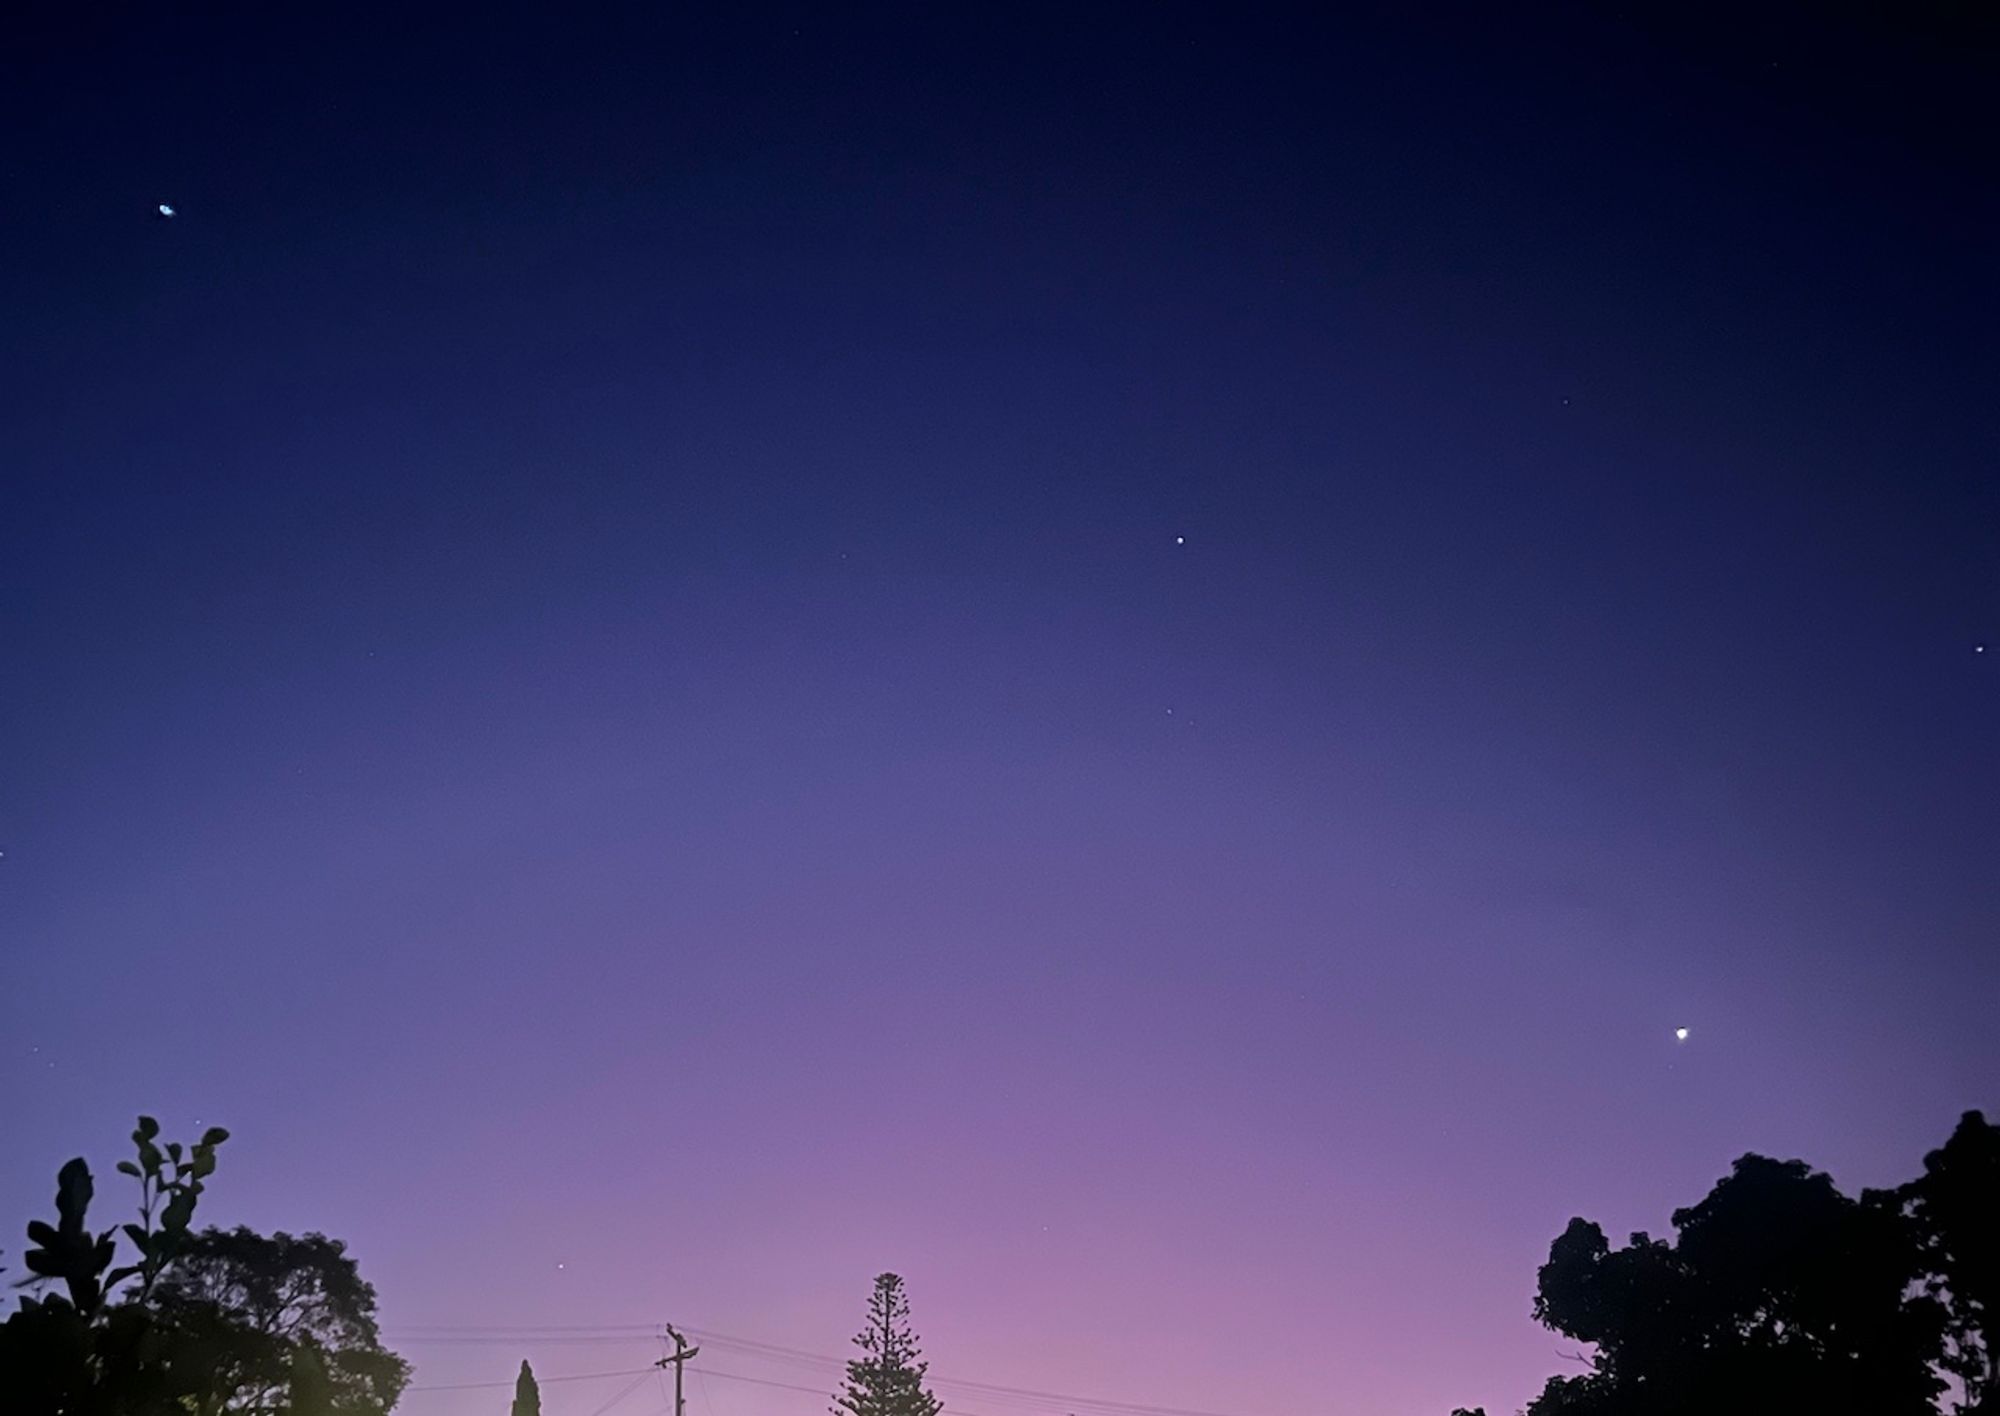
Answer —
(73, 1192)
(179, 1211)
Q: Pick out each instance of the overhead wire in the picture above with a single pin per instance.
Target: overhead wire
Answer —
(636, 1383)
(540, 1381)
(794, 1354)
(988, 1393)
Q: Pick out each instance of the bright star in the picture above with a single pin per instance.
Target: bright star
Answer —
(166, 210)
(1680, 1034)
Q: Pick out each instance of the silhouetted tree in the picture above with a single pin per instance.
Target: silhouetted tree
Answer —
(79, 1353)
(170, 1182)
(1780, 1294)
(889, 1380)
(527, 1395)
(258, 1301)
(1956, 1206)
(200, 1324)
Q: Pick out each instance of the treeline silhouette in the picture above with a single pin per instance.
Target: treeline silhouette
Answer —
(1780, 1294)
(1777, 1294)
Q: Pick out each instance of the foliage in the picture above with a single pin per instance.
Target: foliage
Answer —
(78, 1352)
(310, 1393)
(1780, 1293)
(172, 1185)
(260, 1302)
(889, 1380)
(1956, 1207)
(68, 1251)
(527, 1395)
(199, 1323)
(170, 1182)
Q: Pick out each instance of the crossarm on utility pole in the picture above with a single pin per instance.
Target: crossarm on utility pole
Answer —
(678, 1361)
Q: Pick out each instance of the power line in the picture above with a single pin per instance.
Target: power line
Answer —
(651, 1329)
(809, 1391)
(987, 1393)
(540, 1381)
(766, 1381)
(772, 1352)
(637, 1382)
(645, 1371)
(537, 1339)
(776, 1350)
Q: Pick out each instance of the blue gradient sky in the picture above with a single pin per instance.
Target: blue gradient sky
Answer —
(595, 656)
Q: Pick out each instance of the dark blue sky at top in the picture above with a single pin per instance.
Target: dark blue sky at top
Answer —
(554, 466)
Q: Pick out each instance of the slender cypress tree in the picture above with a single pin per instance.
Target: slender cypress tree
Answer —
(889, 1379)
(527, 1395)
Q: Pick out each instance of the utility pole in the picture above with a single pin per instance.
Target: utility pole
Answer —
(679, 1359)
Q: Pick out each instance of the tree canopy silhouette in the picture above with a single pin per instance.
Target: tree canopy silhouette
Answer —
(1956, 1207)
(1779, 1293)
(889, 1379)
(261, 1301)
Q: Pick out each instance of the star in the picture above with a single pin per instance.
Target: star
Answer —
(1180, 540)
(1680, 1034)
(165, 210)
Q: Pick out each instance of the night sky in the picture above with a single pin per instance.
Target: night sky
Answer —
(1131, 661)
